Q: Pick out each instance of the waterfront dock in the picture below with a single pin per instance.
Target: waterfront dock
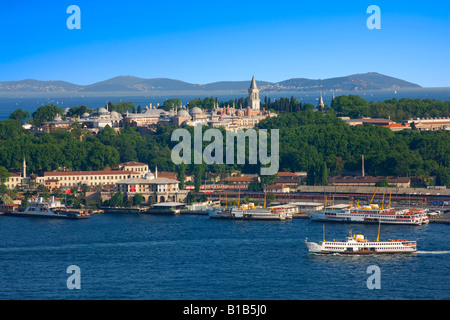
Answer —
(443, 218)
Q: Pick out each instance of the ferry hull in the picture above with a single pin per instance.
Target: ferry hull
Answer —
(320, 217)
(52, 216)
(244, 215)
(316, 248)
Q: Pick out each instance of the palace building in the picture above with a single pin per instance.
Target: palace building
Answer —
(229, 117)
(154, 189)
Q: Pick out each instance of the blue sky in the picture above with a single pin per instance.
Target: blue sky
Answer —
(206, 41)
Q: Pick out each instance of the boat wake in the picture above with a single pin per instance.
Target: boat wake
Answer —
(434, 252)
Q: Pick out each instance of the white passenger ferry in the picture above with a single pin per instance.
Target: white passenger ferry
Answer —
(358, 244)
(39, 207)
(248, 212)
(372, 214)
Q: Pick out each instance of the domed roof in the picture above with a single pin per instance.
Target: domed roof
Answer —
(57, 117)
(149, 176)
(66, 110)
(183, 113)
(102, 111)
(115, 114)
(85, 115)
(196, 110)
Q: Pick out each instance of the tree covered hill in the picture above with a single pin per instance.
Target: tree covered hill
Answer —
(366, 81)
(309, 141)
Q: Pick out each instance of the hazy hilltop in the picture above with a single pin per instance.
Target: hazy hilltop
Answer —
(366, 81)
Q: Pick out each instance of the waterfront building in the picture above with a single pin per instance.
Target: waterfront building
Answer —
(69, 179)
(14, 180)
(401, 182)
(154, 189)
(277, 188)
(17, 178)
(240, 181)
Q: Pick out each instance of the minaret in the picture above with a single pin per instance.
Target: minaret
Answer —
(362, 166)
(24, 167)
(156, 171)
(253, 96)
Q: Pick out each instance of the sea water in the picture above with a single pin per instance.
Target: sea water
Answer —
(185, 257)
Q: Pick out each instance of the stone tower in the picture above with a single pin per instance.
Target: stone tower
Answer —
(253, 96)
(320, 105)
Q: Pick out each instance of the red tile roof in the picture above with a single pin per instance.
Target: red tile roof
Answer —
(287, 174)
(87, 173)
(240, 179)
(132, 163)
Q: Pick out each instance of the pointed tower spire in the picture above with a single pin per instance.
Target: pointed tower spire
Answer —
(253, 84)
(321, 105)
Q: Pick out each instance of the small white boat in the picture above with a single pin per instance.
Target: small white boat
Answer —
(217, 213)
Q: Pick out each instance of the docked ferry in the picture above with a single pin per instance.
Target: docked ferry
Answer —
(372, 214)
(39, 207)
(247, 212)
(358, 244)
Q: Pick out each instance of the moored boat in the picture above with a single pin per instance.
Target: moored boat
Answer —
(246, 212)
(412, 216)
(39, 207)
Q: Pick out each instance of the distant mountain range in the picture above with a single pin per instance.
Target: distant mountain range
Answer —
(130, 84)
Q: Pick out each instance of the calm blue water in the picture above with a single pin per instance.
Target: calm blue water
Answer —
(9, 103)
(193, 257)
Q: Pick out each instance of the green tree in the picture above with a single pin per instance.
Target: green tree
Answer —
(382, 183)
(181, 170)
(45, 113)
(117, 199)
(171, 103)
(4, 175)
(137, 199)
(443, 177)
(19, 115)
